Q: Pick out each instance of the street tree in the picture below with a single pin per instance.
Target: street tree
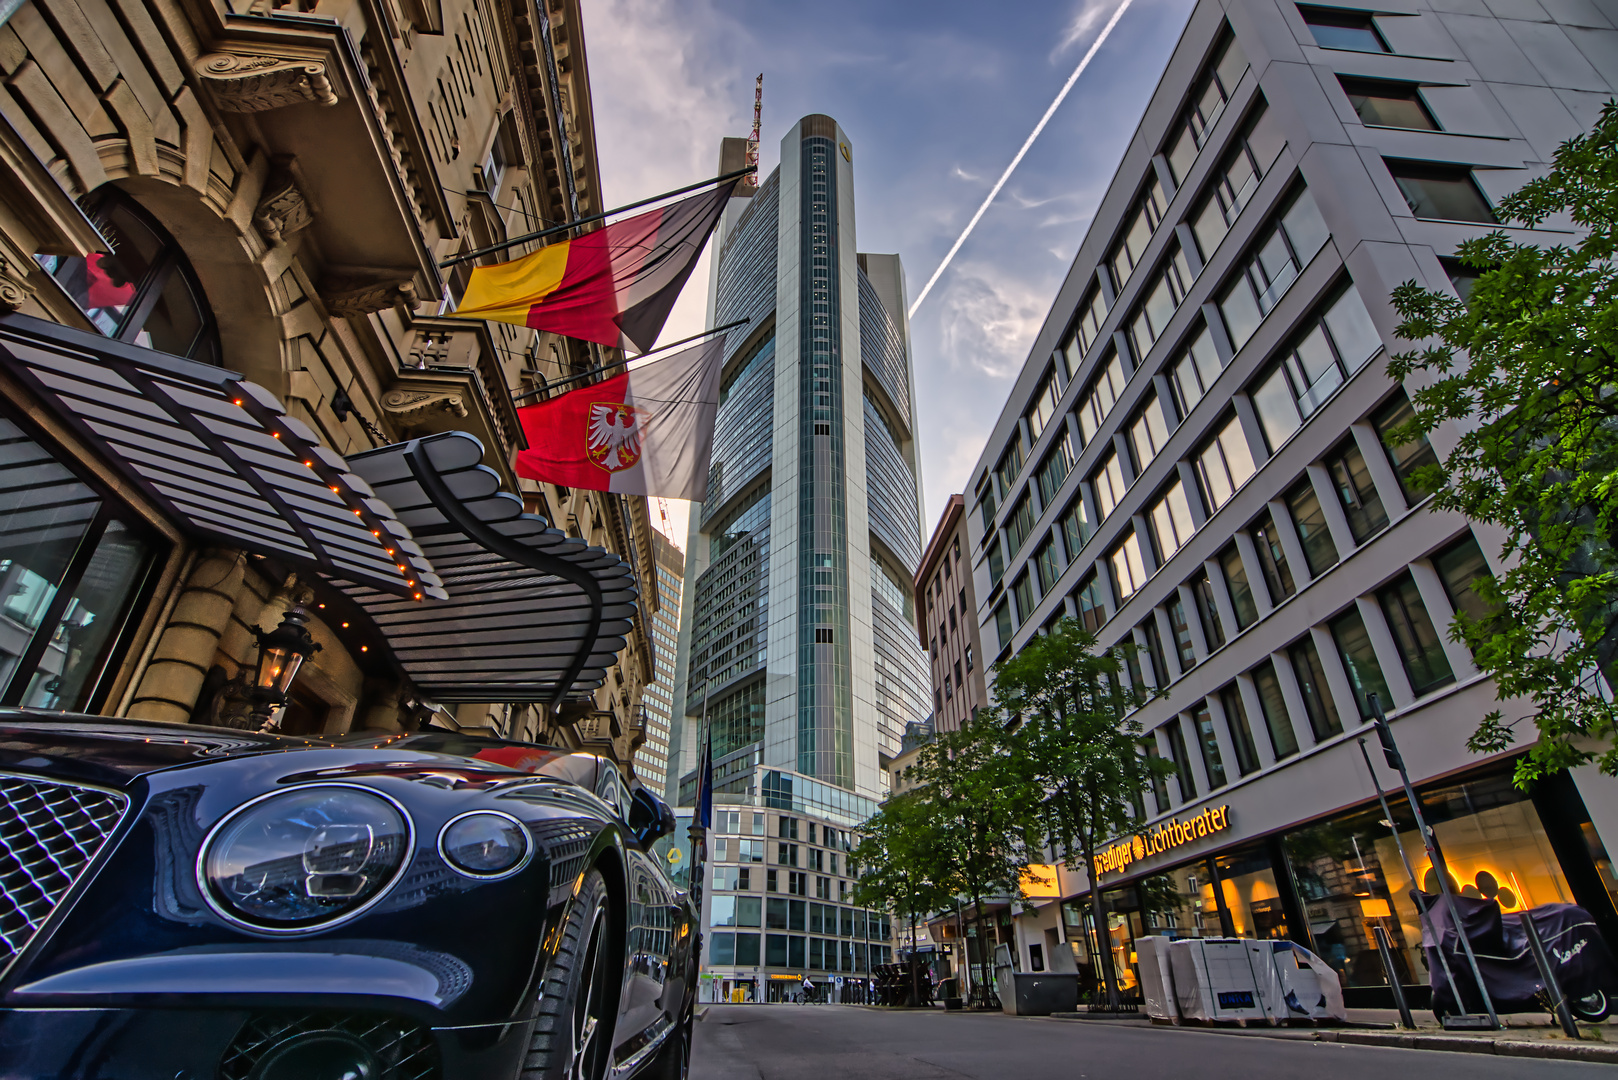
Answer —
(1526, 368)
(900, 865)
(1076, 767)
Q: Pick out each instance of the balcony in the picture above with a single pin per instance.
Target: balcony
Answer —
(451, 379)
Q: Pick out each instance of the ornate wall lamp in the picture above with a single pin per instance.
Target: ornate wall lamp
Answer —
(281, 652)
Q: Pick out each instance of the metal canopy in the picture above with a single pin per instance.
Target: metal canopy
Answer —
(531, 613)
(220, 455)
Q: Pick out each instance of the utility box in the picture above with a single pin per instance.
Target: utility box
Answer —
(1157, 978)
(1214, 980)
(1243, 980)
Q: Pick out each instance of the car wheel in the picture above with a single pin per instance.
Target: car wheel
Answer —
(573, 1033)
(1592, 1008)
(674, 1057)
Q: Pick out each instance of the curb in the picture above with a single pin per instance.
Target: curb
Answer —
(1462, 1045)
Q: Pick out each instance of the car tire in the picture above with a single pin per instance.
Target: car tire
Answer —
(572, 1037)
(673, 1060)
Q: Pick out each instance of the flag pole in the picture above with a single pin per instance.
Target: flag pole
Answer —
(555, 229)
(549, 386)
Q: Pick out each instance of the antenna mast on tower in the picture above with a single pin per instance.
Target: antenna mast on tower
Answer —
(752, 140)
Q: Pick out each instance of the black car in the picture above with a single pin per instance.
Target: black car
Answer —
(193, 903)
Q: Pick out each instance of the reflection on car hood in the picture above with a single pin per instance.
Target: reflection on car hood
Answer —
(107, 750)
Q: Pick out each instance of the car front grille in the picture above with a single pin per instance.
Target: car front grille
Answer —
(49, 832)
(405, 1050)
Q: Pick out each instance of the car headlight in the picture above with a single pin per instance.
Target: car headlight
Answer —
(304, 859)
(485, 844)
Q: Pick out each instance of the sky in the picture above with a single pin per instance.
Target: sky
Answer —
(937, 97)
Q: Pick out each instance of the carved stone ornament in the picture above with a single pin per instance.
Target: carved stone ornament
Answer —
(403, 403)
(282, 210)
(352, 300)
(13, 293)
(247, 84)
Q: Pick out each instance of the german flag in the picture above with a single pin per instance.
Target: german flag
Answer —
(614, 286)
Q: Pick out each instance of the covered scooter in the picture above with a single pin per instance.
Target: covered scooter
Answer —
(1578, 955)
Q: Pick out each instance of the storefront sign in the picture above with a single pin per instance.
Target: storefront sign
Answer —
(1170, 834)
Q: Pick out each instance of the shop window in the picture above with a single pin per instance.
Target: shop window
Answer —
(1420, 646)
(1171, 522)
(1272, 558)
(1202, 726)
(1319, 551)
(1459, 567)
(1075, 527)
(1271, 266)
(1183, 646)
(1213, 629)
(1388, 104)
(1274, 707)
(1241, 732)
(1207, 104)
(1163, 296)
(1334, 28)
(1406, 458)
(1182, 761)
(1310, 369)
(1441, 192)
(1191, 374)
(1043, 408)
(1359, 661)
(1317, 699)
(71, 568)
(1180, 903)
(1362, 505)
(1224, 464)
(1088, 600)
(144, 291)
(1054, 469)
(1241, 590)
(1234, 182)
(1127, 566)
(1252, 900)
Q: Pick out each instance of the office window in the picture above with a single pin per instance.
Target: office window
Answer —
(1259, 281)
(822, 892)
(1317, 700)
(787, 827)
(1319, 551)
(1361, 503)
(775, 950)
(1334, 28)
(798, 885)
(1160, 787)
(997, 559)
(1043, 407)
(1181, 628)
(1208, 743)
(1272, 558)
(1459, 566)
(1054, 469)
(1075, 527)
(1274, 707)
(1002, 624)
(967, 654)
(938, 700)
(986, 508)
(1154, 651)
(1102, 396)
(1241, 732)
(1420, 645)
(1085, 333)
(1148, 432)
(1252, 153)
(787, 854)
(1162, 296)
(1089, 603)
(1137, 233)
(1108, 484)
(1023, 591)
(1010, 465)
(1213, 629)
(959, 682)
(1407, 457)
(1241, 590)
(1192, 373)
(1359, 661)
(1313, 365)
(1131, 658)
(1128, 568)
(722, 948)
(775, 914)
(1224, 464)
(1388, 104)
(1207, 104)
(1440, 192)
(1019, 523)
(1171, 521)
(1182, 761)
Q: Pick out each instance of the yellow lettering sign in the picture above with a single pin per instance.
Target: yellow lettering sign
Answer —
(1170, 834)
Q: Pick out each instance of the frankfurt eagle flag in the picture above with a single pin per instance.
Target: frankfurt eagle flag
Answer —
(614, 286)
(648, 431)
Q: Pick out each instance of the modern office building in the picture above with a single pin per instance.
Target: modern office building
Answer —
(946, 604)
(1195, 459)
(798, 651)
(652, 756)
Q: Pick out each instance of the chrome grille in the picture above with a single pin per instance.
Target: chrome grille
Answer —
(404, 1050)
(49, 832)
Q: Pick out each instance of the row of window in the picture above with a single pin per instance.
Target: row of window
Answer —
(781, 950)
(742, 879)
(801, 915)
(752, 823)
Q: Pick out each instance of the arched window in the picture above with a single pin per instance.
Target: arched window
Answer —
(145, 292)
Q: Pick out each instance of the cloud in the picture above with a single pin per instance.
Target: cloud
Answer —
(1087, 18)
(990, 319)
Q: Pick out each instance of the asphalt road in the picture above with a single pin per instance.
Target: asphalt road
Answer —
(841, 1042)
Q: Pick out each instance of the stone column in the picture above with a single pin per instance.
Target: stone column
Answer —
(173, 677)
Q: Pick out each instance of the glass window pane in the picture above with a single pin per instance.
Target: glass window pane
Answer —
(1408, 457)
(1075, 528)
(1247, 879)
(1351, 30)
(1087, 598)
(1359, 661)
(1361, 503)
(1317, 699)
(1182, 760)
(1272, 559)
(1231, 64)
(1442, 193)
(1241, 733)
(1181, 627)
(722, 911)
(1213, 630)
(1388, 104)
(1305, 227)
(1352, 330)
(1265, 138)
(1420, 645)
(176, 319)
(1241, 592)
(1459, 565)
(1319, 551)
(722, 948)
(1208, 743)
(1240, 310)
(749, 910)
(1209, 227)
(1270, 701)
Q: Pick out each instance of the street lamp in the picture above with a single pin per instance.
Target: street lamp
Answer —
(281, 652)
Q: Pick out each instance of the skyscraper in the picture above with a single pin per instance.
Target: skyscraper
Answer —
(799, 646)
(652, 756)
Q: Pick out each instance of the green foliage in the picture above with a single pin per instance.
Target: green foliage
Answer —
(1526, 369)
(901, 863)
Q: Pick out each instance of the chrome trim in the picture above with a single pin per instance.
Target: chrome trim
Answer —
(528, 841)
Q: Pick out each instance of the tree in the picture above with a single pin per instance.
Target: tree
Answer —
(900, 863)
(1075, 754)
(1526, 368)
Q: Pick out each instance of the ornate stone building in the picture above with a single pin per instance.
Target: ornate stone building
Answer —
(221, 236)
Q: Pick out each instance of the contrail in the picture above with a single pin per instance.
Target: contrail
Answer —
(970, 225)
